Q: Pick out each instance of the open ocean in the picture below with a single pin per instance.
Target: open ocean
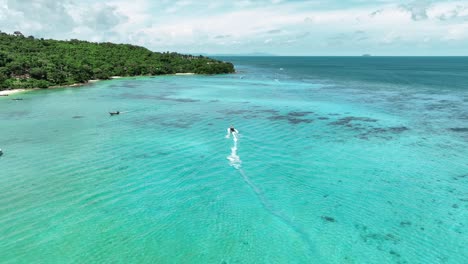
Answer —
(339, 160)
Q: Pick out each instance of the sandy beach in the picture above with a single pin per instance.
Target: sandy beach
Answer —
(185, 73)
(13, 91)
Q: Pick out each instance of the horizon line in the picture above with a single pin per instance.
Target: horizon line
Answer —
(274, 55)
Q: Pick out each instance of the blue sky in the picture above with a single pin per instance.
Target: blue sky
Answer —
(293, 27)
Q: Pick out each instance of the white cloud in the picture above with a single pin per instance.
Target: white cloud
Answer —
(450, 13)
(185, 25)
(458, 32)
(390, 37)
(418, 9)
(39, 16)
(62, 19)
(177, 5)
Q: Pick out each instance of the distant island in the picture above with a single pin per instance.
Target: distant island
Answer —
(28, 62)
(366, 55)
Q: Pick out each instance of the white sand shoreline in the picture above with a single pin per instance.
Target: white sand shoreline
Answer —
(185, 73)
(15, 91)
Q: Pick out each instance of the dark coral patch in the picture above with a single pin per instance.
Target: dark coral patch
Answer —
(277, 117)
(156, 97)
(291, 119)
(298, 114)
(380, 131)
(405, 223)
(270, 111)
(129, 84)
(380, 237)
(459, 129)
(460, 177)
(182, 100)
(347, 120)
(394, 253)
(328, 219)
(397, 129)
(298, 121)
(237, 112)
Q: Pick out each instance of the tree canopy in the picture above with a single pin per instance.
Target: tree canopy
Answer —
(27, 62)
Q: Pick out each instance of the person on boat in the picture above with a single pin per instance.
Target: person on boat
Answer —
(232, 130)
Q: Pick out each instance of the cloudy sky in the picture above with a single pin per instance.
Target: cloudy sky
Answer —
(281, 27)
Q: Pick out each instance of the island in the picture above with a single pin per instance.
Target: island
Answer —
(28, 62)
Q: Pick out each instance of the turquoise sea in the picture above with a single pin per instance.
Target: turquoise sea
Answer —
(338, 160)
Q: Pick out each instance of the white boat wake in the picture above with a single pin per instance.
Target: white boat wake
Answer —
(236, 162)
(234, 159)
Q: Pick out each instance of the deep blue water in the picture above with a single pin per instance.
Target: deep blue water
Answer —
(435, 72)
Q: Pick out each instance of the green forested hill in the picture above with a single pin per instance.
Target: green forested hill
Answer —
(26, 62)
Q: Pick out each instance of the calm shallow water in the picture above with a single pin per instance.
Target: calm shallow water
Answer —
(339, 160)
